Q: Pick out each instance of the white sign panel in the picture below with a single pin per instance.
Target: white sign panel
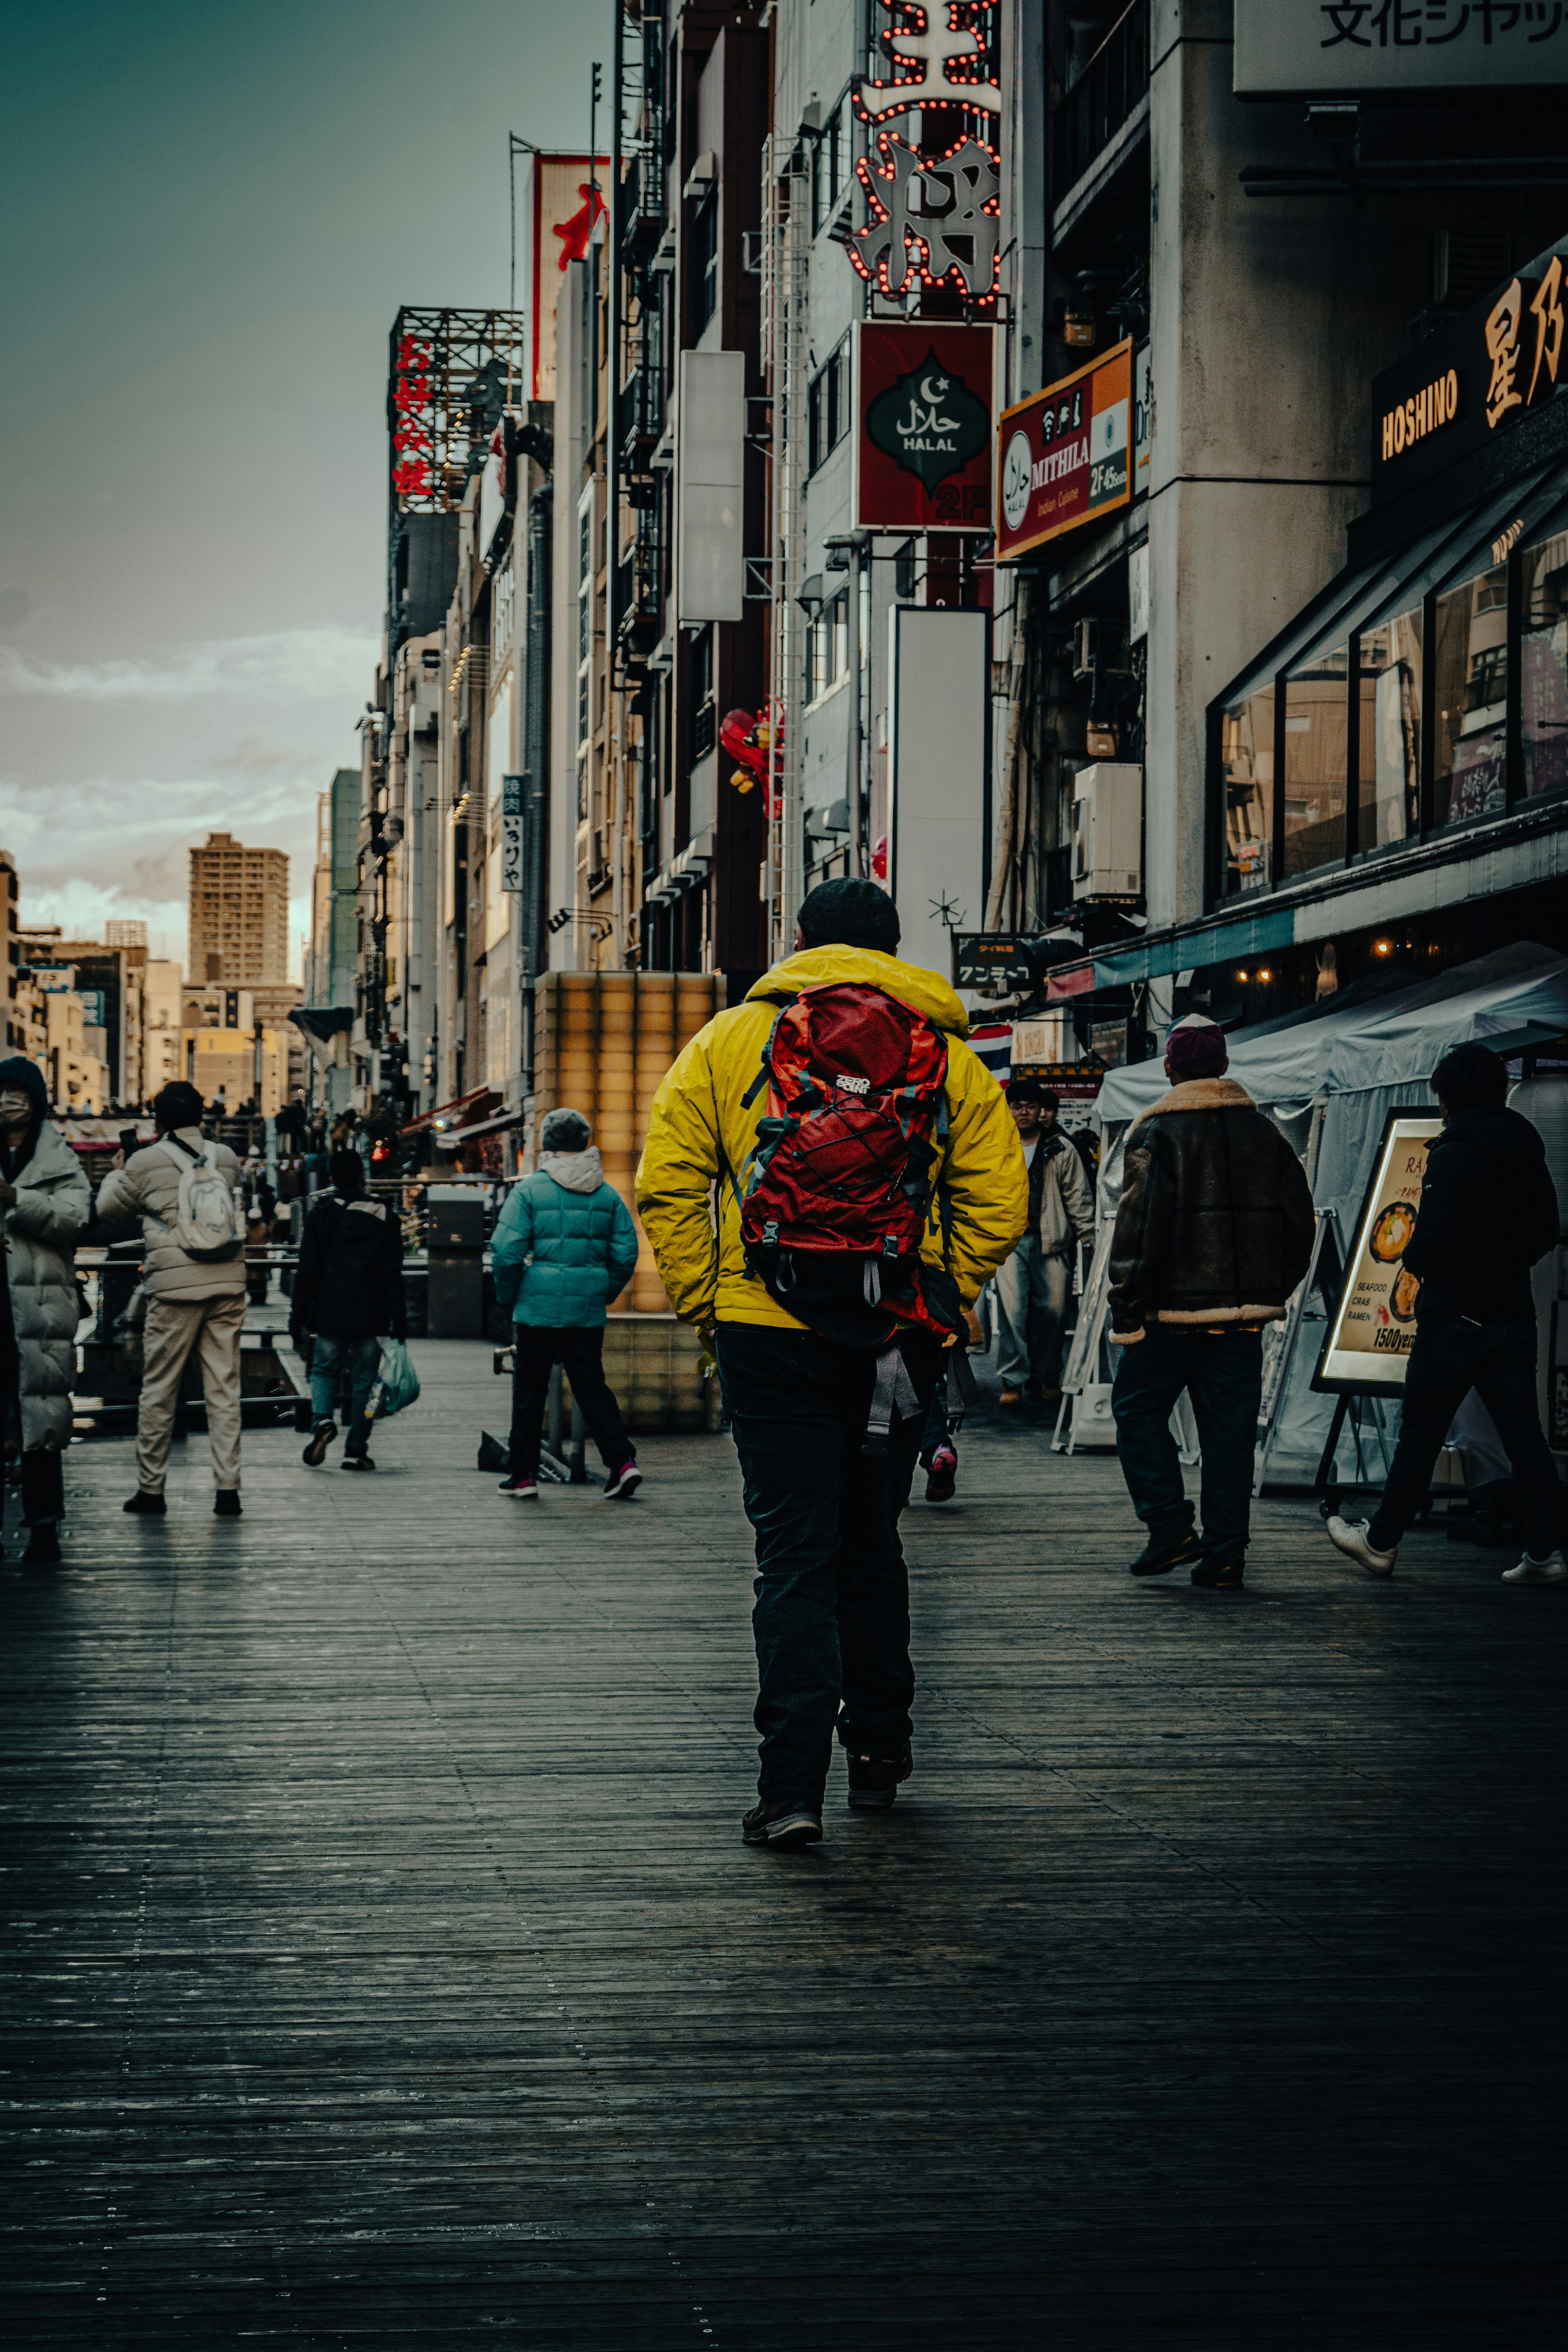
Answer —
(710, 456)
(511, 834)
(1326, 47)
(939, 772)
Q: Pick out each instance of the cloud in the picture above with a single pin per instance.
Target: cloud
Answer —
(314, 664)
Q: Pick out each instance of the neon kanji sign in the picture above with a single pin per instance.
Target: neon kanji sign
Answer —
(931, 218)
(944, 63)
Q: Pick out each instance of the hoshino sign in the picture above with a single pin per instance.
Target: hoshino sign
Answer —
(1412, 420)
(1326, 48)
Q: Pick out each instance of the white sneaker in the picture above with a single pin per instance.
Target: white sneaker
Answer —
(1549, 1570)
(1352, 1537)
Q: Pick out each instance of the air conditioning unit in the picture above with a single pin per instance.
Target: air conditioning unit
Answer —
(1108, 831)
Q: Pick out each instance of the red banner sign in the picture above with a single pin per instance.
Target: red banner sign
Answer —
(1065, 456)
(923, 427)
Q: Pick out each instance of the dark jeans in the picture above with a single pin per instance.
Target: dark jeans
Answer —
(832, 1615)
(328, 1358)
(581, 1357)
(1224, 1377)
(1497, 1360)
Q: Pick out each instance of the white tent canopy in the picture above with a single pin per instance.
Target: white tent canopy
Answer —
(1358, 1062)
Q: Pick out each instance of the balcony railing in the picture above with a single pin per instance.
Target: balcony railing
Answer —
(1104, 95)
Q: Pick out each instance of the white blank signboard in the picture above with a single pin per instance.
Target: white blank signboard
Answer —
(710, 452)
(939, 777)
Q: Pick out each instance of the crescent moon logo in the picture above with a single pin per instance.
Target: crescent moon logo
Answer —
(926, 384)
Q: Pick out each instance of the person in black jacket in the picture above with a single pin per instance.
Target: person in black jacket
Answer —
(1488, 1210)
(348, 1291)
(1212, 1233)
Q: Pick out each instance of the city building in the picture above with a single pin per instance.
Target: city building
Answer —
(161, 1025)
(238, 928)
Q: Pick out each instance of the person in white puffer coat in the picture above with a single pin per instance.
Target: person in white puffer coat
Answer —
(45, 1202)
(191, 1303)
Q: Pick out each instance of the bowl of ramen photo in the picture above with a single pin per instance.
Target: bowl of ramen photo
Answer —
(1391, 1231)
(1402, 1297)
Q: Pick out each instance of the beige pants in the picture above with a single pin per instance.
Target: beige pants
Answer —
(175, 1326)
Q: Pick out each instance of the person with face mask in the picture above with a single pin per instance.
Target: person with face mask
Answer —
(1035, 1283)
(45, 1202)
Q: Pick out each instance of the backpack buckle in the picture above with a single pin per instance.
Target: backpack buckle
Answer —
(771, 1230)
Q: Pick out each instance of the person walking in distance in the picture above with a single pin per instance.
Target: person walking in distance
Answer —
(195, 1281)
(1212, 1233)
(45, 1202)
(348, 1292)
(1033, 1284)
(564, 1247)
(1488, 1210)
(868, 1181)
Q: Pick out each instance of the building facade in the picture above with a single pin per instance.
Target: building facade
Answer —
(238, 922)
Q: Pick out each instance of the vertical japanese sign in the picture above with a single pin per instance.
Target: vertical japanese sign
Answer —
(567, 196)
(933, 214)
(511, 834)
(1065, 454)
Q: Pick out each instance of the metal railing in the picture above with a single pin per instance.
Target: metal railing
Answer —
(1104, 95)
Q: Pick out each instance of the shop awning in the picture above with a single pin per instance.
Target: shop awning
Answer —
(320, 1024)
(450, 1111)
(453, 1138)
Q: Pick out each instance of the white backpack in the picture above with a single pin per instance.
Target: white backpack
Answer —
(209, 1224)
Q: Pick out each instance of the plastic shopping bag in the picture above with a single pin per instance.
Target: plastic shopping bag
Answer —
(398, 1382)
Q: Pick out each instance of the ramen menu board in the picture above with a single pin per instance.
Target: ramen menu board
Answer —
(1373, 1329)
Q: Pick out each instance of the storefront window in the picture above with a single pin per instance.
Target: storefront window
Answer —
(1247, 755)
(1543, 666)
(1316, 704)
(1470, 698)
(1389, 733)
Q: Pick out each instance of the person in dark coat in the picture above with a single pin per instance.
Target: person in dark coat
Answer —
(348, 1292)
(1212, 1233)
(1488, 1210)
(45, 1202)
(564, 1246)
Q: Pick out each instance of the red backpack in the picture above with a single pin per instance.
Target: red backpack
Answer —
(842, 1174)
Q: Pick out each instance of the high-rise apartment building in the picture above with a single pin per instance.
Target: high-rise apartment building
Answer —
(238, 913)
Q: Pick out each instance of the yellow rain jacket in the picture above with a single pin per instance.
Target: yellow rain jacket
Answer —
(701, 1134)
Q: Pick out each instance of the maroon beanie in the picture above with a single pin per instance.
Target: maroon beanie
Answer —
(1195, 1048)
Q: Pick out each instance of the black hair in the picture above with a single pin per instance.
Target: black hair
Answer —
(346, 1170)
(849, 913)
(177, 1105)
(1471, 1077)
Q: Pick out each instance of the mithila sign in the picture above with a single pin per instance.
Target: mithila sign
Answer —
(1065, 456)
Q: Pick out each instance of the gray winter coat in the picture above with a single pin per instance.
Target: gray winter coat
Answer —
(148, 1187)
(53, 1203)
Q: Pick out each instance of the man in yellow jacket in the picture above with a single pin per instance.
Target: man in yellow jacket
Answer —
(832, 1615)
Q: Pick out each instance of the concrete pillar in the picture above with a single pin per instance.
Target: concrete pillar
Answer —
(1268, 319)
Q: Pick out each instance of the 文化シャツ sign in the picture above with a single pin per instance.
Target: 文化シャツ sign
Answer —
(1064, 456)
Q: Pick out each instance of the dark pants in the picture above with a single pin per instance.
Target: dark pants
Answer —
(832, 1615)
(1223, 1375)
(1497, 1360)
(581, 1357)
(330, 1358)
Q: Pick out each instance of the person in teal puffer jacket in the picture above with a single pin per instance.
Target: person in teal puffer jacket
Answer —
(564, 1247)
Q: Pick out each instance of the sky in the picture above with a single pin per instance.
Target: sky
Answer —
(212, 216)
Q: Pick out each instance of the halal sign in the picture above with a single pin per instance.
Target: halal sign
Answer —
(925, 442)
(928, 422)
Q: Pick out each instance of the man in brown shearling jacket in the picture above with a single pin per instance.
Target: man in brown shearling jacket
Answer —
(1213, 1233)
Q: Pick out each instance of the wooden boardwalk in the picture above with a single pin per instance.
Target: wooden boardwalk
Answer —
(383, 1968)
